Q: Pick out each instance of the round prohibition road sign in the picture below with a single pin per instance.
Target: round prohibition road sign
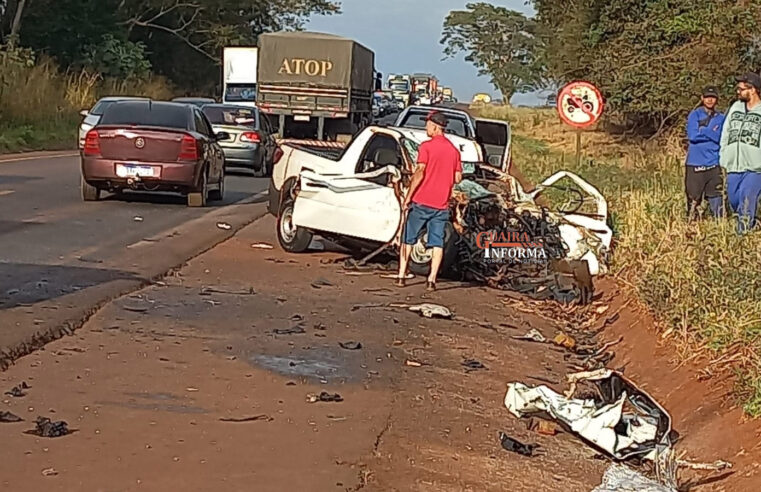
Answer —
(580, 104)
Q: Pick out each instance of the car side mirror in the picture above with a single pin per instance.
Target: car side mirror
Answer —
(221, 136)
(84, 113)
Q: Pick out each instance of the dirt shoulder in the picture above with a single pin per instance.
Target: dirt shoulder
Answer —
(247, 334)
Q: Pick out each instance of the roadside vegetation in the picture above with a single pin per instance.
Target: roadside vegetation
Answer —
(701, 281)
(58, 56)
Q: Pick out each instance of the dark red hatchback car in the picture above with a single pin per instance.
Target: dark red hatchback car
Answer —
(154, 146)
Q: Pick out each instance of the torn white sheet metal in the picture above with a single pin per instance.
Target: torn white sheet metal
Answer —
(622, 420)
(432, 311)
(620, 478)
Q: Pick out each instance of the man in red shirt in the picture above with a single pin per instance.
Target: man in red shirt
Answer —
(438, 169)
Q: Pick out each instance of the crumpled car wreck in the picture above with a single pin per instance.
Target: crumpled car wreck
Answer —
(500, 234)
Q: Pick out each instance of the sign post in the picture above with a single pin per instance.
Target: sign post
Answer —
(580, 105)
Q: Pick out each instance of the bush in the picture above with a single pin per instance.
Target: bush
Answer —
(39, 105)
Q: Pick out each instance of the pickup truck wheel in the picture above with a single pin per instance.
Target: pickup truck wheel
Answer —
(420, 259)
(291, 238)
(89, 192)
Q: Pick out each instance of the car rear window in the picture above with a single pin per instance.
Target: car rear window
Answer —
(226, 115)
(455, 125)
(147, 114)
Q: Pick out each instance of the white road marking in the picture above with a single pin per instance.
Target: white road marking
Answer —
(36, 158)
(6, 192)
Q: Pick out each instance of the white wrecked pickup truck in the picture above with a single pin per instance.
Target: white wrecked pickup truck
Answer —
(353, 197)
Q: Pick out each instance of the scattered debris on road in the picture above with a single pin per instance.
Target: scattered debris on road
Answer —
(224, 226)
(533, 335)
(255, 418)
(47, 428)
(137, 218)
(295, 330)
(49, 472)
(431, 311)
(324, 396)
(543, 427)
(412, 363)
(262, 246)
(350, 345)
(473, 365)
(207, 291)
(621, 478)
(623, 421)
(564, 340)
(321, 282)
(9, 418)
(515, 446)
(18, 390)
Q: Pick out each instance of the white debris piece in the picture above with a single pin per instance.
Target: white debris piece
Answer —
(432, 311)
(532, 335)
(603, 423)
(620, 478)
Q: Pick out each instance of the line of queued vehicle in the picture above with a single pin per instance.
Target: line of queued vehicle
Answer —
(182, 146)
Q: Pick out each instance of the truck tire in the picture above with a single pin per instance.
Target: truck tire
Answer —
(420, 259)
(291, 238)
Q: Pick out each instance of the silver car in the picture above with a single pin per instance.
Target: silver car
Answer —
(252, 142)
(92, 116)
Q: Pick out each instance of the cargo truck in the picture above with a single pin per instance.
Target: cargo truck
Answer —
(401, 87)
(316, 85)
(424, 87)
(239, 74)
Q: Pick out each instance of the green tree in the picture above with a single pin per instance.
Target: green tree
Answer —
(650, 57)
(114, 57)
(502, 43)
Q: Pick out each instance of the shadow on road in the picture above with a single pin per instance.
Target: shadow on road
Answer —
(23, 283)
(165, 198)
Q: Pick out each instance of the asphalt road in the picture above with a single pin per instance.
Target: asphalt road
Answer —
(72, 256)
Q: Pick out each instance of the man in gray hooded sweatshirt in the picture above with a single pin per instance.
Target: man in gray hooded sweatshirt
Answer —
(741, 150)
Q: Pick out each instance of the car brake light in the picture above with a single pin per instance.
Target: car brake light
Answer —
(250, 137)
(188, 149)
(92, 143)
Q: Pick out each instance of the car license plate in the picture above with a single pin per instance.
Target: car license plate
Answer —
(131, 171)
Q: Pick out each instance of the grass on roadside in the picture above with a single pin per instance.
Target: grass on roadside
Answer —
(701, 281)
(39, 104)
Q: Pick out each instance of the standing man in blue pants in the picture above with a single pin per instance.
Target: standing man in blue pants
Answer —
(702, 177)
(741, 151)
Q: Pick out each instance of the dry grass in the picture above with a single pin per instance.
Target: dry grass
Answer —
(39, 105)
(701, 281)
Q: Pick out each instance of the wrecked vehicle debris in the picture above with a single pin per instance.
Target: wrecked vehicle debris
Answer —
(325, 397)
(47, 428)
(533, 335)
(9, 418)
(432, 311)
(621, 420)
(18, 390)
(499, 235)
(350, 345)
(255, 418)
(515, 446)
(473, 365)
(621, 478)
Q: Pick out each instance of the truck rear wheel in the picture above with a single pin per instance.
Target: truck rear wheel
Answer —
(421, 256)
(291, 238)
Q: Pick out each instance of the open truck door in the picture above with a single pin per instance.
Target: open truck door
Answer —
(495, 138)
(360, 205)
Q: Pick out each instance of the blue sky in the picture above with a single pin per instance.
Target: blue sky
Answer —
(405, 36)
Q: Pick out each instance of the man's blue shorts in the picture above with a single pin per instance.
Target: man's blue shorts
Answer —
(421, 217)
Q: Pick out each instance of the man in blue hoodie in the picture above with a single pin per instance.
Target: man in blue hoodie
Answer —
(703, 176)
(741, 151)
